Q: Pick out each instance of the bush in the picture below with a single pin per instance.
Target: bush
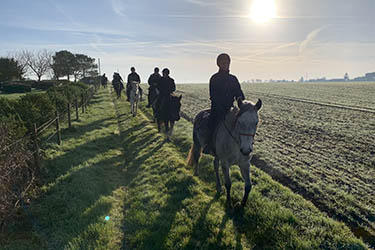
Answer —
(45, 85)
(57, 96)
(35, 108)
(16, 171)
(91, 80)
(10, 88)
(7, 106)
(9, 115)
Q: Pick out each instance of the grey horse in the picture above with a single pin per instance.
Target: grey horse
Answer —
(134, 97)
(234, 139)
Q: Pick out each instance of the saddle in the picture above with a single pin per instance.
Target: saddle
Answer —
(202, 128)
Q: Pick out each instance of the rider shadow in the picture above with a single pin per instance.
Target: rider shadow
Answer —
(236, 216)
(133, 163)
(67, 204)
(199, 235)
(162, 225)
(60, 165)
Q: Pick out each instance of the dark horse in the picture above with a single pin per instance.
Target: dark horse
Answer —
(117, 84)
(234, 139)
(169, 113)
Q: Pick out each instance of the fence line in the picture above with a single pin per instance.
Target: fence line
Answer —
(37, 132)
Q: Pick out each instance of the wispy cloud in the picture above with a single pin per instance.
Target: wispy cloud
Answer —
(118, 7)
(64, 13)
(200, 2)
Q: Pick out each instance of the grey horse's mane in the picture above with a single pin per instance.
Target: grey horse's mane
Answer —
(236, 112)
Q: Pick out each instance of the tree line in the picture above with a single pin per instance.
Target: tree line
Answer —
(43, 62)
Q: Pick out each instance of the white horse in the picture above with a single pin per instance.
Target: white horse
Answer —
(134, 97)
(233, 139)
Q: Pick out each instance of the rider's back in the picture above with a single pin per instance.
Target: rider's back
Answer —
(166, 86)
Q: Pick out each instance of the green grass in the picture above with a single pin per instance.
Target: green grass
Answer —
(84, 185)
(114, 165)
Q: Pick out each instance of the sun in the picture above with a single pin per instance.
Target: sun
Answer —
(263, 10)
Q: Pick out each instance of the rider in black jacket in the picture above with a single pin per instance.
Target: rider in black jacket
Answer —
(153, 82)
(166, 87)
(133, 76)
(224, 89)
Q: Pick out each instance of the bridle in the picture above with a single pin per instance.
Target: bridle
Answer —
(234, 125)
(249, 135)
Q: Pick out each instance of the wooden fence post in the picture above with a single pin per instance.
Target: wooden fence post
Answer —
(76, 104)
(36, 148)
(83, 103)
(86, 99)
(58, 128)
(69, 116)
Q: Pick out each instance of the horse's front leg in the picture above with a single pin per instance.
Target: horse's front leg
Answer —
(245, 172)
(218, 184)
(228, 184)
(159, 124)
(171, 126)
(166, 124)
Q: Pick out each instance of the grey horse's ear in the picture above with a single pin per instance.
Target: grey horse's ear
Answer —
(239, 102)
(258, 105)
(180, 97)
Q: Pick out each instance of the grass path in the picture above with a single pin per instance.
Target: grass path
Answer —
(114, 165)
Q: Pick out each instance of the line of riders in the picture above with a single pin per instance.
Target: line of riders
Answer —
(161, 87)
(224, 89)
(225, 131)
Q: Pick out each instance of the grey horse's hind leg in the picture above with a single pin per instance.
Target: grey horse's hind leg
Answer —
(245, 172)
(228, 183)
(218, 184)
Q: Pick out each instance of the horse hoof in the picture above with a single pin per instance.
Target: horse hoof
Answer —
(238, 206)
(219, 190)
(196, 174)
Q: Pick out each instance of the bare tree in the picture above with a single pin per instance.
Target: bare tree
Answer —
(39, 62)
(20, 58)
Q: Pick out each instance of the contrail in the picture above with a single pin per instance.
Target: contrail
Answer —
(311, 36)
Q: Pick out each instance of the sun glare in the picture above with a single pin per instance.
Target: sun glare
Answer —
(263, 10)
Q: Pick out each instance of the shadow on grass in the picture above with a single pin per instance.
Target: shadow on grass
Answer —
(73, 201)
(72, 204)
(60, 165)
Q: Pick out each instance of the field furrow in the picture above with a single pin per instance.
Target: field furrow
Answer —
(328, 151)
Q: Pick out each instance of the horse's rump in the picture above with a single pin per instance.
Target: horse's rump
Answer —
(169, 108)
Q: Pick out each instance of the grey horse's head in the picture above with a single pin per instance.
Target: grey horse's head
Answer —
(246, 124)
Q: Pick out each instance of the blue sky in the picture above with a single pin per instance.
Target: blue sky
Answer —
(308, 37)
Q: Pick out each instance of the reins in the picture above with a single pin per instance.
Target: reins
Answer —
(234, 125)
